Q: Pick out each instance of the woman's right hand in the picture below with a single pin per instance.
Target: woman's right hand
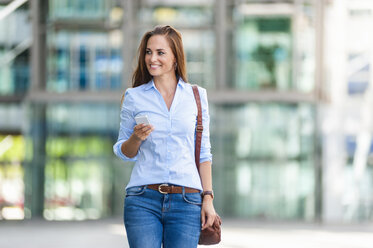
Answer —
(142, 131)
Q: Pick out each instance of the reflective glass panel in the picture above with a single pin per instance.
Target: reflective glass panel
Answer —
(199, 49)
(273, 46)
(80, 9)
(12, 154)
(12, 118)
(15, 43)
(263, 160)
(176, 13)
(89, 61)
(263, 53)
(359, 49)
(358, 182)
(80, 167)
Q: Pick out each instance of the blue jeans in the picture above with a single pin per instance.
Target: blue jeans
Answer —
(152, 218)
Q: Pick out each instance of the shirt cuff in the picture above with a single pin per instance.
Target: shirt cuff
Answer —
(118, 151)
(205, 157)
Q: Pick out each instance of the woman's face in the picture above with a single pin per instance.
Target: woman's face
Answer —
(159, 57)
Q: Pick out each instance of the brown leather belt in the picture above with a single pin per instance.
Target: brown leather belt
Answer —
(171, 189)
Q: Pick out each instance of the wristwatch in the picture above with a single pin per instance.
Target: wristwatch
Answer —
(208, 193)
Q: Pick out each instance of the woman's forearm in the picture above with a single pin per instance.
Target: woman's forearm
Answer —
(206, 175)
(207, 212)
(131, 146)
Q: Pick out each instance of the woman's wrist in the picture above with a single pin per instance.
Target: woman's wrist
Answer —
(207, 198)
(206, 193)
(136, 140)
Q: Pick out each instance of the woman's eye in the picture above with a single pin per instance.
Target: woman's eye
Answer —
(160, 53)
(148, 52)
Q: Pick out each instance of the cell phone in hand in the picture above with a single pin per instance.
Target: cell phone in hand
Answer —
(142, 119)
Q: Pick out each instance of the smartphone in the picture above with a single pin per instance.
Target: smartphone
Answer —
(142, 119)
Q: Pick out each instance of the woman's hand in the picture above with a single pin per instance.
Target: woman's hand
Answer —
(142, 131)
(131, 146)
(207, 212)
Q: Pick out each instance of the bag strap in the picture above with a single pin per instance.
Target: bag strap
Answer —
(199, 127)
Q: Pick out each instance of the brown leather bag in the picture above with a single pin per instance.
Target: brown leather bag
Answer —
(212, 234)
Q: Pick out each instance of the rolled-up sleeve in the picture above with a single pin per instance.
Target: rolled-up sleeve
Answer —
(205, 144)
(127, 123)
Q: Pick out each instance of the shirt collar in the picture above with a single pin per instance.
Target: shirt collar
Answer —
(151, 84)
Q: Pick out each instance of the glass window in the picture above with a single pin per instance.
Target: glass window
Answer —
(12, 157)
(14, 52)
(263, 157)
(184, 13)
(200, 55)
(358, 196)
(84, 45)
(359, 73)
(12, 118)
(272, 46)
(79, 160)
(263, 53)
(79, 9)
(359, 46)
(84, 61)
(12, 152)
(304, 49)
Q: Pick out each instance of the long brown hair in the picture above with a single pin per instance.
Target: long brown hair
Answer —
(141, 74)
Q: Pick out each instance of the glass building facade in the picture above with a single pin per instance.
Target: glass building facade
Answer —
(58, 124)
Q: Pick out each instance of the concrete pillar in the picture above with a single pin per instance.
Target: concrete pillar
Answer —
(334, 157)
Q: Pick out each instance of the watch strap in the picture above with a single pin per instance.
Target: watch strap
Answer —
(208, 193)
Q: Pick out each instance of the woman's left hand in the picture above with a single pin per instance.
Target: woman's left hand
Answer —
(207, 212)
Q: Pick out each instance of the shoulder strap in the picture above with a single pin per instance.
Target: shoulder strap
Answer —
(199, 127)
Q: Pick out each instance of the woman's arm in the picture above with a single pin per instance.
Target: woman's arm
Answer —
(208, 212)
(131, 146)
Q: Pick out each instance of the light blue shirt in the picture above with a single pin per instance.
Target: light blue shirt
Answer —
(167, 155)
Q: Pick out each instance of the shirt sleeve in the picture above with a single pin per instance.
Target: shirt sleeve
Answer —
(205, 143)
(127, 123)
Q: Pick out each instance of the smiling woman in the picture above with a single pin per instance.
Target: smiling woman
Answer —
(163, 203)
(159, 58)
(167, 44)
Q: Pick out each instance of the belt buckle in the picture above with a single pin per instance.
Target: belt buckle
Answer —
(159, 188)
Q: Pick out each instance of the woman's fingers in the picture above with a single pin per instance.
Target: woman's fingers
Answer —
(203, 219)
(208, 215)
(142, 126)
(209, 220)
(142, 131)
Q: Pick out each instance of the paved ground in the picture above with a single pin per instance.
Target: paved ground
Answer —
(236, 234)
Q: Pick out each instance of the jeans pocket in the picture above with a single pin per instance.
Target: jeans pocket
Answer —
(137, 190)
(193, 198)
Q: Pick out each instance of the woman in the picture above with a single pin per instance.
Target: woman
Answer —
(167, 201)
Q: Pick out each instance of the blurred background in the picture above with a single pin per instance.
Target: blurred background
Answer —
(290, 92)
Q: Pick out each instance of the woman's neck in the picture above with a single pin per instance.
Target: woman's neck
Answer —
(166, 84)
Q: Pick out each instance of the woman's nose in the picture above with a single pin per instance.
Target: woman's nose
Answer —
(153, 57)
